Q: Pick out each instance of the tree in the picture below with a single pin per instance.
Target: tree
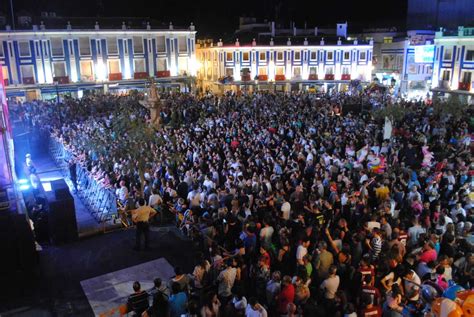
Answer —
(453, 107)
(394, 112)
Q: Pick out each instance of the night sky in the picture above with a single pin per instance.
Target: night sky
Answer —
(213, 17)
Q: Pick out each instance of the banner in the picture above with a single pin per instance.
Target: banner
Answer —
(3, 102)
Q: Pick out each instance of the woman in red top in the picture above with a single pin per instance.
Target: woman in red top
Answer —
(286, 296)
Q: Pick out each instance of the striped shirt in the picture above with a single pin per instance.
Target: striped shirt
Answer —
(376, 245)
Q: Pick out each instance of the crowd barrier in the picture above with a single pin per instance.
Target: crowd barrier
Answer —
(100, 201)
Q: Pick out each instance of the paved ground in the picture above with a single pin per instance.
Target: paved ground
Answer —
(55, 289)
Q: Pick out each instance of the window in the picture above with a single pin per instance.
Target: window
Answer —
(215, 56)
(26, 71)
(99, 47)
(263, 56)
(161, 43)
(330, 56)
(329, 70)
(45, 48)
(314, 56)
(114, 66)
(262, 71)
(448, 54)
(466, 77)
(297, 72)
(57, 46)
(429, 69)
(125, 47)
(161, 64)
(138, 45)
(112, 47)
(362, 55)
(71, 48)
(446, 75)
(229, 56)
(229, 72)
(297, 56)
(5, 72)
(280, 70)
(245, 56)
(345, 70)
(209, 73)
(347, 56)
(59, 69)
(87, 72)
(313, 70)
(24, 48)
(388, 39)
(84, 46)
(2, 54)
(139, 65)
(182, 65)
(182, 44)
(470, 55)
(279, 56)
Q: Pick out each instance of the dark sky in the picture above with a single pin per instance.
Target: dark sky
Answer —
(211, 16)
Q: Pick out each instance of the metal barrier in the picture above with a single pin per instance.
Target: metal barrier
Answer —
(99, 200)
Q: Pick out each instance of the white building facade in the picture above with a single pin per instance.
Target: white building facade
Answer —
(287, 66)
(78, 57)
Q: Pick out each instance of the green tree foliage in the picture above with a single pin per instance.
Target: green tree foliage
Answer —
(454, 107)
(395, 112)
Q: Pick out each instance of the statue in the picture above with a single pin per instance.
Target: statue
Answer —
(153, 103)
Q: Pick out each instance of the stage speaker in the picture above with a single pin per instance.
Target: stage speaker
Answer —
(62, 220)
(60, 189)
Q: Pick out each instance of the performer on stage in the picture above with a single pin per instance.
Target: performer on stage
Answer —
(141, 218)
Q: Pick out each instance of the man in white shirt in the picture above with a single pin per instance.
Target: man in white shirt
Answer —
(302, 251)
(330, 285)
(254, 309)
(226, 280)
(155, 200)
(412, 286)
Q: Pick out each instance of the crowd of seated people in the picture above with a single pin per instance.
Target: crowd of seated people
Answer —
(295, 208)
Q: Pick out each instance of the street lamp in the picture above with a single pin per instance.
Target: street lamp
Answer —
(57, 91)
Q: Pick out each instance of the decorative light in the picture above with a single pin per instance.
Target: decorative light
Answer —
(127, 72)
(271, 70)
(101, 71)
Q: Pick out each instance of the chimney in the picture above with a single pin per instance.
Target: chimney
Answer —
(356, 42)
(271, 42)
(171, 26)
(237, 43)
(273, 28)
(124, 27)
(42, 26)
(288, 42)
(192, 27)
(294, 30)
(148, 27)
(254, 43)
(68, 26)
(339, 41)
(96, 26)
(305, 43)
(219, 43)
(322, 41)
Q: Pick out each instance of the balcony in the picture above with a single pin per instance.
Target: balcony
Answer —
(444, 84)
(245, 77)
(61, 79)
(115, 76)
(263, 77)
(464, 86)
(329, 77)
(313, 77)
(280, 77)
(140, 75)
(163, 73)
(6, 82)
(346, 77)
(28, 80)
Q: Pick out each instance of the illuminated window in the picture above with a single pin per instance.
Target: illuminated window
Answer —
(183, 43)
(229, 72)
(139, 65)
(112, 47)
(262, 56)
(87, 73)
(347, 56)
(114, 66)
(138, 45)
(448, 54)
(297, 56)
(297, 72)
(329, 70)
(24, 48)
(279, 56)
(466, 77)
(57, 48)
(262, 71)
(345, 71)
(59, 69)
(330, 56)
(446, 75)
(362, 55)
(313, 70)
(229, 56)
(388, 39)
(27, 71)
(182, 65)
(280, 70)
(161, 64)
(5, 72)
(314, 55)
(245, 56)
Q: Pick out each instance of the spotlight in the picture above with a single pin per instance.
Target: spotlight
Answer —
(24, 187)
(22, 181)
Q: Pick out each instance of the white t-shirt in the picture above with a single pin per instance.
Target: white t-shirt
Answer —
(301, 252)
(250, 312)
(330, 285)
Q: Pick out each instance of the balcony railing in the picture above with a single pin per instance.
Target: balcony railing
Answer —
(263, 77)
(444, 84)
(313, 77)
(280, 77)
(115, 76)
(464, 86)
(163, 73)
(61, 79)
(329, 77)
(140, 75)
(28, 80)
(245, 77)
(346, 77)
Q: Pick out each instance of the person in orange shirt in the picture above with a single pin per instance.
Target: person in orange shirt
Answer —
(141, 217)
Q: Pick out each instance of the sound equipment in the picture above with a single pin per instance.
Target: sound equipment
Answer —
(61, 217)
(60, 189)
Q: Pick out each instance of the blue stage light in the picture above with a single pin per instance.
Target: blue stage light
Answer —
(24, 187)
(23, 181)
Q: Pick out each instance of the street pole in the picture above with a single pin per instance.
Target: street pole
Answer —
(13, 15)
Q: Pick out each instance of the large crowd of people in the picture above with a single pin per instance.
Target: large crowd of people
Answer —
(295, 207)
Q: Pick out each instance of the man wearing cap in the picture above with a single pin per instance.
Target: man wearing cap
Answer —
(141, 217)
